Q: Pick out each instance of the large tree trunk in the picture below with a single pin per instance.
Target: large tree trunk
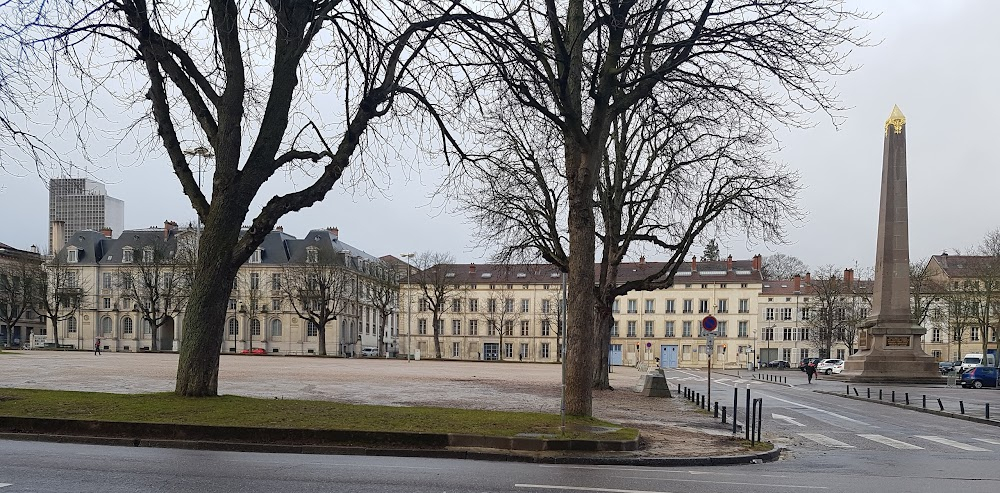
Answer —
(204, 322)
(605, 319)
(381, 334)
(321, 340)
(581, 337)
(435, 320)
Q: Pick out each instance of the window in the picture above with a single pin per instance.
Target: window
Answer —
(842, 352)
(786, 313)
(508, 328)
(647, 328)
(71, 325)
(422, 305)
(127, 255)
(768, 334)
(107, 303)
(803, 333)
(723, 306)
(702, 306)
(147, 329)
(232, 304)
(524, 351)
(524, 306)
(473, 305)
(787, 334)
(234, 327)
(936, 335)
(275, 328)
(615, 306)
(276, 304)
(456, 348)
(786, 354)
(669, 329)
(744, 306)
(630, 328)
(721, 329)
(975, 333)
(473, 327)
(491, 305)
(688, 306)
(127, 326)
(614, 329)
(254, 327)
(686, 329)
(71, 280)
(255, 256)
(312, 330)
(422, 326)
(769, 314)
(254, 280)
(106, 325)
(632, 306)
(440, 327)
(545, 306)
(649, 307)
(508, 305)
(72, 255)
(456, 305)
(106, 280)
(275, 281)
(312, 255)
(456, 327)
(508, 350)
(741, 328)
(804, 313)
(147, 255)
(524, 328)
(546, 328)
(669, 306)
(545, 350)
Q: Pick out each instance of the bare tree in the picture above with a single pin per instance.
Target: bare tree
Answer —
(383, 293)
(242, 78)
(20, 287)
(711, 252)
(436, 289)
(157, 279)
(553, 315)
(925, 291)
(582, 66)
(982, 290)
(60, 294)
(836, 306)
(320, 289)
(781, 266)
(502, 315)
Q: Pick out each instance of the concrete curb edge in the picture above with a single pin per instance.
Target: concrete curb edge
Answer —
(900, 405)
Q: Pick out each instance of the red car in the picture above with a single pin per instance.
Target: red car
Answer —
(256, 350)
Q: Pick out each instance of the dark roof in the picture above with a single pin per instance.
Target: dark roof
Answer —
(8, 251)
(704, 272)
(965, 265)
(786, 287)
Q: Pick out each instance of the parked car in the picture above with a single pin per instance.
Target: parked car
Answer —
(979, 377)
(256, 350)
(828, 366)
(947, 366)
(778, 363)
(369, 352)
(806, 361)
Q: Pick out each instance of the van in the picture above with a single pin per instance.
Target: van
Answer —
(972, 360)
(369, 352)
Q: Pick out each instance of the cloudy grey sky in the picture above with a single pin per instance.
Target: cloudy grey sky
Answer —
(934, 60)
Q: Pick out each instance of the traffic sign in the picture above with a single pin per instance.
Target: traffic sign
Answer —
(710, 339)
(649, 345)
(709, 323)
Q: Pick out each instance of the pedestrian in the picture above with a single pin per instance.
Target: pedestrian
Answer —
(810, 371)
(97, 346)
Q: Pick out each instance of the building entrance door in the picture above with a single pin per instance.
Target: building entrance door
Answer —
(491, 351)
(668, 356)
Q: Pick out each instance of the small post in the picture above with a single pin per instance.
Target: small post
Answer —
(869, 392)
(961, 407)
(748, 422)
(893, 396)
(907, 398)
(736, 406)
(848, 389)
(724, 414)
(678, 388)
(716, 409)
(987, 410)
(855, 392)
(879, 394)
(925, 401)
(940, 404)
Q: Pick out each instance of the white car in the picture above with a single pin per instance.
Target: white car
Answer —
(369, 352)
(828, 366)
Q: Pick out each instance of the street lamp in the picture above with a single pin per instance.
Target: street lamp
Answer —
(409, 349)
(202, 152)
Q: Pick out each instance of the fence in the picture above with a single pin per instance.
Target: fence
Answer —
(753, 411)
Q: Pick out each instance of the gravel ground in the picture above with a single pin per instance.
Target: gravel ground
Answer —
(669, 427)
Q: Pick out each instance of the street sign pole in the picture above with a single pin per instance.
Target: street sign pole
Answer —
(709, 324)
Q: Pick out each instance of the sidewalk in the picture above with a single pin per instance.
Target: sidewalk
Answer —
(672, 431)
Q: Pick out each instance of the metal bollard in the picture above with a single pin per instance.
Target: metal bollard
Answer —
(848, 390)
(907, 398)
(961, 407)
(893, 396)
(678, 388)
(987, 410)
(855, 391)
(716, 409)
(925, 401)
(879, 394)
(748, 411)
(940, 404)
(736, 406)
(869, 392)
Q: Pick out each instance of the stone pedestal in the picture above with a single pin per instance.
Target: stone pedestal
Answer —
(891, 353)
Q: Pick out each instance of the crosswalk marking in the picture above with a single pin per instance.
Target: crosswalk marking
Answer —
(891, 442)
(953, 443)
(989, 440)
(825, 440)
(4, 485)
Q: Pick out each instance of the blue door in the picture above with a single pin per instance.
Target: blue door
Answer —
(615, 355)
(668, 356)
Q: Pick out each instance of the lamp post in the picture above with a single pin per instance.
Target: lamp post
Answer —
(202, 152)
(409, 349)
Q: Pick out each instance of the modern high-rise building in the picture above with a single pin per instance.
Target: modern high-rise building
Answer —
(76, 204)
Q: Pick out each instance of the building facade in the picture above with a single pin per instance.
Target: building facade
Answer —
(15, 264)
(963, 300)
(78, 204)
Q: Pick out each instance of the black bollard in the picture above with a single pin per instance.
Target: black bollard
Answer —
(893, 396)
(869, 392)
(723, 414)
(748, 422)
(940, 404)
(848, 390)
(961, 407)
(736, 406)
(925, 401)
(716, 409)
(907, 398)
(987, 410)
(855, 391)
(879, 394)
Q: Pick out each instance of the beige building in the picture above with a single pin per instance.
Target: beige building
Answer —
(29, 323)
(955, 319)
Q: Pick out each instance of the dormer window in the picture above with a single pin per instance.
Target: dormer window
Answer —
(127, 255)
(312, 255)
(256, 256)
(147, 255)
(72, 255)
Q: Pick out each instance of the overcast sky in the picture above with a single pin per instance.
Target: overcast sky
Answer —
(934, 60)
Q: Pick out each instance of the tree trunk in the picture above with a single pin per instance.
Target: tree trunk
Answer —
(55, 330)
(204, 322)
(381, 334)
(321, 340)
(581, 337)
(603, 370)
(435, 320)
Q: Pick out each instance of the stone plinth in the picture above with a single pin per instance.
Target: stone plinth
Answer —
(892, 354)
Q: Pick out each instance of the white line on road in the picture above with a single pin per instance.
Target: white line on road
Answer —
(735, 483)
(789, 419)
(891, 442)
(581, 488)
(4, 484)
(953, 443)
(831, 413)
(825, 440)
(989, 440)
(664, 471)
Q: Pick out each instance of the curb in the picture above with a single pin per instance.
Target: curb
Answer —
(756, 379)
(498, 456)
(946, 414)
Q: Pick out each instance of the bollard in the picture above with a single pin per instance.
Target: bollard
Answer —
(961, 407)
(907, 398)
(879, 394)
(869, 392)
(716, 409)
(987, 410)
(678, 388)
(893, 396)
(848, 390)
(736, 406)
(748, 422)
(925, 401)
(940, 404)
(855, 391)
(723, 414)
(703, 402)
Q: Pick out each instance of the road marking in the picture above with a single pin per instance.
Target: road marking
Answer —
(824, 411)
(989, 440)
(825, 440)
(734, 483)
(953, 443)
(665, 471)
(5, 484)
(789, 419)
(582, 488)
(891, 442)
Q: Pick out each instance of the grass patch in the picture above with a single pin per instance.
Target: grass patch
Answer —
(287, 413)
(757, 446)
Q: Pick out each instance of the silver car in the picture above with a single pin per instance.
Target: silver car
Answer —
(828, 366)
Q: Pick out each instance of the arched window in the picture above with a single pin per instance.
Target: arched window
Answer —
(127, 326)
(106, 325)
(254, 327)
(275, 328)
(234, 327)
(71, 325)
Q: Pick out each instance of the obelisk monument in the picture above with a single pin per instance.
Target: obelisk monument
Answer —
(890, 342)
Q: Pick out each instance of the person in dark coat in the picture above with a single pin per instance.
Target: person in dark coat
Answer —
(810, 371)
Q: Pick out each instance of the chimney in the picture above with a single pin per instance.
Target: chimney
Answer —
(757, 262)
(334, 232)
(472, 268)
(168, 228)
(694, 263)
(797, 283)
(849, 277)
(106, 231)
(944, 259)
(57, 236)
(642, 260)
(809, 278)
(279, 229)
(729, 263)
(34, 248)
